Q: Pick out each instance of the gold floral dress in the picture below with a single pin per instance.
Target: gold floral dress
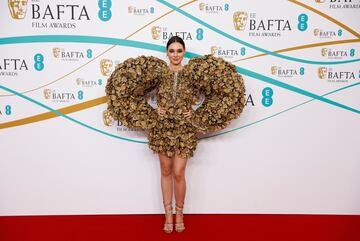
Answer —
(177, 92)
(174, 133)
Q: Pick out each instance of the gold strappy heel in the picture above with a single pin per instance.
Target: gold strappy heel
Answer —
(168, 227)
(179, 227)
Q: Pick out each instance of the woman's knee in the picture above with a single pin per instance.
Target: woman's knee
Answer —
(166, 171)
(179, 175)
(166, 165)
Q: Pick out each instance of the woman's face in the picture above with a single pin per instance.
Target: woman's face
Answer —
(176, 53)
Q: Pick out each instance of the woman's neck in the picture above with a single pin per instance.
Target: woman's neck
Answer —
(175, 68)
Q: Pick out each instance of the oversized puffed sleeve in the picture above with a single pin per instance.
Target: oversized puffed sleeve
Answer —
(127, 88)
(223, 89)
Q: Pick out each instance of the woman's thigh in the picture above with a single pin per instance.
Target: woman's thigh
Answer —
(166, 164)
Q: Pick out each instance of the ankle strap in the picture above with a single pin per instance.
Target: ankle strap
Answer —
(179, 209)
(168, 206)
(179, 206)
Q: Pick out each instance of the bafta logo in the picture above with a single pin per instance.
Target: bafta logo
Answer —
(130, 9)
(324, 52)
(201, 6)
(106, 66)
(155, 32)
(316, 31)
(56, 52)
(18, 8)
(274, 70)
(322, 72)
(239, 19)
(78, 81)
(107, 119)
(47, 93)
(213, 50)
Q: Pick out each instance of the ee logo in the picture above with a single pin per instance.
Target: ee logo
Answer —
(267, 94)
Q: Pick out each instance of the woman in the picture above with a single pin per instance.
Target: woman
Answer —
(173, 125)
(173, 168)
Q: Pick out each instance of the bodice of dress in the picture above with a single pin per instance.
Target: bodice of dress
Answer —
(174, 91)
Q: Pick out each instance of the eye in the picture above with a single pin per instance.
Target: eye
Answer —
(171, 51)
(179, 51)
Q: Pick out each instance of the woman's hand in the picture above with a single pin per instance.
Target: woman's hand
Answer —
(188, 114)
(161, 111)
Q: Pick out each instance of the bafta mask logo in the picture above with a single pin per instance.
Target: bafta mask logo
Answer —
(18, 8)
(155, 32)
(78, 81)
(239, 19)
(322, 72)
(213, 50)
(319, 1)
(107, 119)
(316, 31)
(106, 67)
(324, 51)
(130, 9)
(47, 93)
(274, 70)
(56, 52)
(201, 6)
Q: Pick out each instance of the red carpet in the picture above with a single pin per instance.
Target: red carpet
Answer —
(246, 227)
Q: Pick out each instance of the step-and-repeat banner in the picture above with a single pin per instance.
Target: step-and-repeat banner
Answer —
(294, 149)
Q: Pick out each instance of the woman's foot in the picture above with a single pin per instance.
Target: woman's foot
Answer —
(179, 223)
(168, 225)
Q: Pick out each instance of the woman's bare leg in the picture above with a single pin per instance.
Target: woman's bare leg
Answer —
(179, 166)
(166, 181)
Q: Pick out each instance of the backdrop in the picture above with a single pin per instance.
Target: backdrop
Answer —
(295, 148)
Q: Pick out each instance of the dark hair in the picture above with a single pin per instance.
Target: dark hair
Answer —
(175, 39)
